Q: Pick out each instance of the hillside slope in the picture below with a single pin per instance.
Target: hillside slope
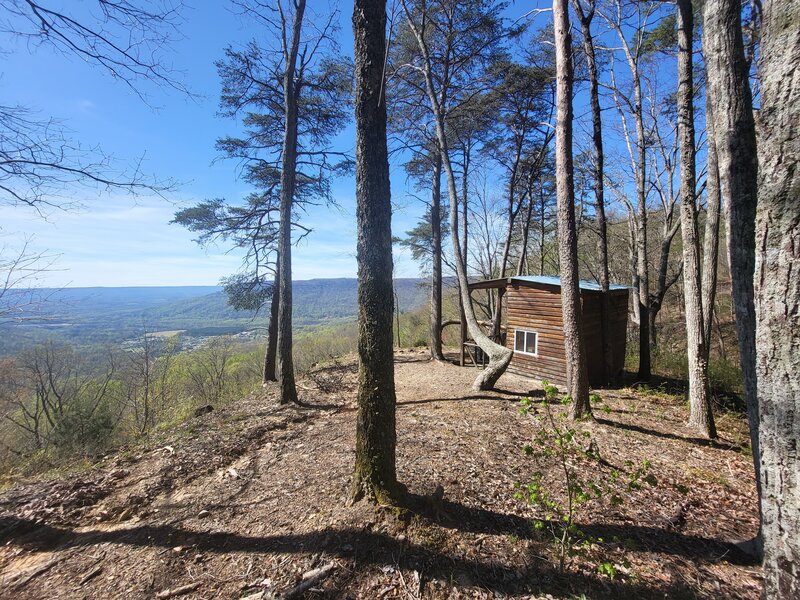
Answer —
(111, 315)
(243, 501)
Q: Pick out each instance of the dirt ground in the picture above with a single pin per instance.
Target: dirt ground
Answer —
(251, 500)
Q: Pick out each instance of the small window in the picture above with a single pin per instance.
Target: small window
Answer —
(526, 342)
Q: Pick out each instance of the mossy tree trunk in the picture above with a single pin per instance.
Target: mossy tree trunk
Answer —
(375, 475)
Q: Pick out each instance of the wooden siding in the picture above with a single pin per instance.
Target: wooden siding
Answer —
(538, 308)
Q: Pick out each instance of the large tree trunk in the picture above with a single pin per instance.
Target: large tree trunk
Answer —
(499, 356)
(375, 475)
(288, 181)
(701, 416)
(734, 132)
(585, 19)
(270, 355)
(711, 235)
(436, 259)
(778, 297)
(577, 373)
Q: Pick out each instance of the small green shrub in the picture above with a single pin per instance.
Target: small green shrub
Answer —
(578, 479)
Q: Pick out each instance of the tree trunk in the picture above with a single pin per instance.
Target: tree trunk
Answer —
(641, 228)
(499, 356)
(375, 474)
(734, 132)
(585, 19)
(701, 416)
(577, 373)
(513, 211)
(526, 229)
(778, 297)
(642, 270)
(436, 259)
(670, 230)
(465, 248)
(711, 235)
(633, 260)
(288, 181)
(542, 231)
(270, 373)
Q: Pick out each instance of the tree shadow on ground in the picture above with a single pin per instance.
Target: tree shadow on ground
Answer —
(664, 384)
(529, 574)
(309, 405)
(454, 515)
(505, 396)
(719, 445)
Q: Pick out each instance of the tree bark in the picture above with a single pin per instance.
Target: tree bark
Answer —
(436, 259)
(701, 416)
(464, 249)
(288, 390)
(711, 235)
(270, 355)
(734, 133)
(577, 373)
(641, 262)
(375, 473)
(777, 300)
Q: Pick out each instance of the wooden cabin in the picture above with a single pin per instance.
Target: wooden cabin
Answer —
(535, 330)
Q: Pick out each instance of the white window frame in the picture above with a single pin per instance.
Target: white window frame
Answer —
(536, 345)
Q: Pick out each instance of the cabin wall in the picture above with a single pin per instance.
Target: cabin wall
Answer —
(618, 323)
(539, 309)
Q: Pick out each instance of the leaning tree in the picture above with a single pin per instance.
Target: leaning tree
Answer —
(462, 37)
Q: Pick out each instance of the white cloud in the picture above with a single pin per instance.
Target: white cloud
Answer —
(115, 241)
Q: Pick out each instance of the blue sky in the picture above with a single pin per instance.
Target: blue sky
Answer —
(116, 240)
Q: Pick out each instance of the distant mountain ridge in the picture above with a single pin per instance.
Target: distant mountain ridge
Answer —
(113, 314)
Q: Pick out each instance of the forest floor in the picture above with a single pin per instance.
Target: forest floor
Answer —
(252, 500)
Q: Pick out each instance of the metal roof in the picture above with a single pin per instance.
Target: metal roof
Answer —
(556, 281)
